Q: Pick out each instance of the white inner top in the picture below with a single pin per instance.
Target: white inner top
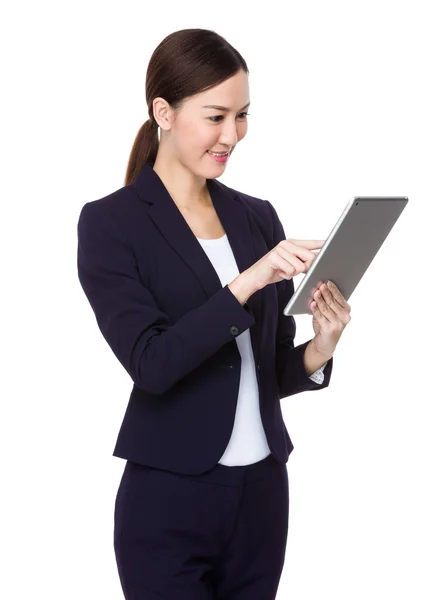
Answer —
(248, 442)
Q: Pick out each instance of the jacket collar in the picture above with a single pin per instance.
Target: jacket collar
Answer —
(243, 235)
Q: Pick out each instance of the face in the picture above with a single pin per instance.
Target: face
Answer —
(188, 134)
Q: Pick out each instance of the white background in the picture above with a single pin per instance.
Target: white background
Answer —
(345, 101)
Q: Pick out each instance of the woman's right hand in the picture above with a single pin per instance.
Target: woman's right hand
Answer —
(290, 257)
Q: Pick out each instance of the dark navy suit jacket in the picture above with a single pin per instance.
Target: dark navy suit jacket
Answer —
(161, 307)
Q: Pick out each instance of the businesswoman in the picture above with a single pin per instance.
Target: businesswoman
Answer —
(188, 279)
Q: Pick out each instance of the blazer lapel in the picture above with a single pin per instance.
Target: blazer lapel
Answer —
(243, 235)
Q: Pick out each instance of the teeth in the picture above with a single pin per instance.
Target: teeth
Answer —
(217, 154)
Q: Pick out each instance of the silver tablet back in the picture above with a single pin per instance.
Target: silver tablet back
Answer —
(349, 249)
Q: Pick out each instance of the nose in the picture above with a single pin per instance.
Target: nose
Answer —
(229, 135)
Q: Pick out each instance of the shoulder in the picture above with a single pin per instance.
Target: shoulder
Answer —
(112, 206)
(258, 206)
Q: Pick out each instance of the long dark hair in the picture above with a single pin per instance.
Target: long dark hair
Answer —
(185, 63)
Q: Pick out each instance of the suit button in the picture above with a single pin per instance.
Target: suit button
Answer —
(233, 330)
(258, 366)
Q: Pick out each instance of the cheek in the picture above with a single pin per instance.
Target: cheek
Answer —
(203, 136)
(241, 131)
(200, 137)
(189, 133)
(207, 137)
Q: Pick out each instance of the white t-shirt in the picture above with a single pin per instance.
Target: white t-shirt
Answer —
(248, 443)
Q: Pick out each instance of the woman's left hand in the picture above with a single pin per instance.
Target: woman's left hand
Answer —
(331, 314)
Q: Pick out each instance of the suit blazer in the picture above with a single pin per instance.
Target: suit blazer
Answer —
(161, 307)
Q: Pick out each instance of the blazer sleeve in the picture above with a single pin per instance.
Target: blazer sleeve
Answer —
(291, 373)
(154, 352)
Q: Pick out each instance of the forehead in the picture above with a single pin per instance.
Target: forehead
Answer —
(232, 93)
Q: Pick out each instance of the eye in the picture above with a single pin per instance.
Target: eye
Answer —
(245, 115)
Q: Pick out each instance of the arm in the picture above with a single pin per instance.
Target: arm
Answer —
(292, 375)
(154, 352)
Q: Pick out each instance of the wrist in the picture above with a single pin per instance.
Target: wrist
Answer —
(313, 358)
(242, 287)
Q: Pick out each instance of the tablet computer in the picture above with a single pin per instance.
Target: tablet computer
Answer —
(349, 249)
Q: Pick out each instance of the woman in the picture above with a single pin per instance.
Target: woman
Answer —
(177, 268)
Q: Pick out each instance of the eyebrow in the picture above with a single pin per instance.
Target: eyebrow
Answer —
(223, 107)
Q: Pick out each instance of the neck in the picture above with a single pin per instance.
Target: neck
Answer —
(186, 189)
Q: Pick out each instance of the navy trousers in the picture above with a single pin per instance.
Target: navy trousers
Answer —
(220, 535)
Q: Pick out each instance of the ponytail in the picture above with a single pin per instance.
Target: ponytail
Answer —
(144, 150)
